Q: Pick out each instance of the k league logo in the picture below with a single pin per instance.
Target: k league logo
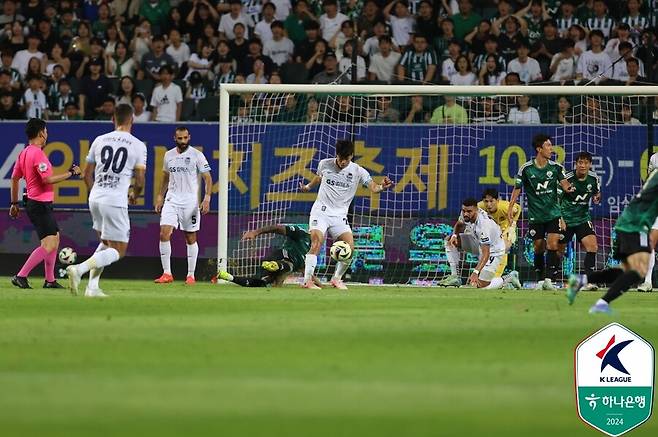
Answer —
(614, 379)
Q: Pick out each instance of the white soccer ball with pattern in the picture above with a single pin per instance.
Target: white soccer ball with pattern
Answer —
(341, 251)
(67, 256)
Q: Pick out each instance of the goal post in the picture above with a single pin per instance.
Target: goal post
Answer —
(438, 162)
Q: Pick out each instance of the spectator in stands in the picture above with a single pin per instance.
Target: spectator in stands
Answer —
(449, 113)
(34, 103)
(245, 66)
(385, 113)
(225, 70)
(208, 36)
(564, 114)
(477, 38)
(448, 67)
(53, 79)
(167, 98)
(492, 72)
(9, 110)
(490, 48)
(263, 29)
(33, 68)
(16, 38)
(623, 35)
(512, 79)
(58, 101)
(283, 8)
(567, 18)
(635, 19)
(297, 22)
(140, 115)
(71, 112)
(526, 67)
(371, 15)
(127, 90)
(503, 11)
(619, 70)
(22, 57)
(534, 15)
(257, 75)
(563, 64)
(594, 63)
(7, 66)
(578, 35)
(100, 25)
(487, 110)
(464, 75)
(156, 12)
(316, 63)
(466, 19)
(627, 115)
(548, 45)
(312, 113)
(196, 90)
(633, 70)
(382, 64)
(121, 63)
(200, 62)
(95, 54)
(46, 35)
(56, 57)
(154, 60)
(371, 46)
(419, 64)
(345, 33)
(239, 46)
(67, 27)
(279, 48)
(426, 21)
(647, 52)
(402, 22)
(306, 49)
(330, 74)
(509, 38)
(94, 87)
(10, 13)
(523, 113)
(441, 43)
(6, 83)
(107, 109)
(203, 15)
(331, 20)
(235, 15)
(417, 113)
(342, 110)
(176, 21)
(345, 64)
(177, 48)
(141, 42)
(601, 21)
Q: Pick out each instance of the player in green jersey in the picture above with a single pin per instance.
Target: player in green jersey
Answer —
(631, 248)
(576, 219)
(540, 178)
(280, 262)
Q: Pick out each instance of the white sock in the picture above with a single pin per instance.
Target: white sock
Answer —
(452, 253)
(495, 283)
(652, 262)
(95, 274)
(341, 268)
(310, 261)
(601, 302)
(99, 260)
(192, 254)
(165, 256)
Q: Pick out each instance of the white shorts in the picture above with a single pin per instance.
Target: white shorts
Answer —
(655, 224)
(186, 218)
(336, 226)
(489, 270)
(111, 221)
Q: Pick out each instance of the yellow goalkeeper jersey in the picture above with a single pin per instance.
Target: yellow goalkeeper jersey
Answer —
(500, 216)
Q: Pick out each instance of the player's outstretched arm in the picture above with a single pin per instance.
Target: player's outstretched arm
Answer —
(384, 185)
(273, 229)
(308, 187)
(56, 178)
(516, 192)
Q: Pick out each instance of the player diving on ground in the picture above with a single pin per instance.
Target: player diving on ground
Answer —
(339, 179)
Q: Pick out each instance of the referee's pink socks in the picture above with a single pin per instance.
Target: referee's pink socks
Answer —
(49, 265)
(39, 254)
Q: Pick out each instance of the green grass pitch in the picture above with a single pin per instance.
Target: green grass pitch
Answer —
(229, 361)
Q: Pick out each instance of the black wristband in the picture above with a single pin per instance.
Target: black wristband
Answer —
(15, 203)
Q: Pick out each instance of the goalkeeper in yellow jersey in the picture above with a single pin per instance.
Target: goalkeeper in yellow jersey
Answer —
(464, 239)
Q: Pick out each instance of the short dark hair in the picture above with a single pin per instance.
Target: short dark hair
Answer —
(539, 140)
(34, 127)
(491, 192)
(181, 128)
(344, 148)
(123, 114)
(166, 69)
(633, 60)
(596, 32)
(470, 201)
(625, 45)
(584, 155)
(276, 23)
(157, 38)
(385, 38)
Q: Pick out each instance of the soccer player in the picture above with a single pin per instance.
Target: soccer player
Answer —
(339, 178)
(113, 159)
(280, 262)
(576, 219)
(177, 201)
(33, 166)
(496, 209)
(540, 178)
(631, 248)
(647, 285)
(492, 248)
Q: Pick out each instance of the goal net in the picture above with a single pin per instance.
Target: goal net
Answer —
(439, 144)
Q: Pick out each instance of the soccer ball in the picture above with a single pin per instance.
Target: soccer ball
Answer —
(341, 251)
(67, 256)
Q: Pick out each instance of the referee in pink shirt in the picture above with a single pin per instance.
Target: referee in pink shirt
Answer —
(33, 166)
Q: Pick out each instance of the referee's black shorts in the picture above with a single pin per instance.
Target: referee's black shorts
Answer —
(41, 216)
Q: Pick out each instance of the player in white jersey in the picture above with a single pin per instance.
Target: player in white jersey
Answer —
(492, 247)
(339, 179)
(178, 201)
(647, 285)
(113, 160)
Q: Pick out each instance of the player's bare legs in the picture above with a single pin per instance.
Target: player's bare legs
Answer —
(341, 266)
(114, 252)
(311, 260)
(165, 254)
(452, 246)
(95, 273)
(647, 285)
(192, 254)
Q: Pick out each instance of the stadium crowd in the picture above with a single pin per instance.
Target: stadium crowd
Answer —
(77, 59)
